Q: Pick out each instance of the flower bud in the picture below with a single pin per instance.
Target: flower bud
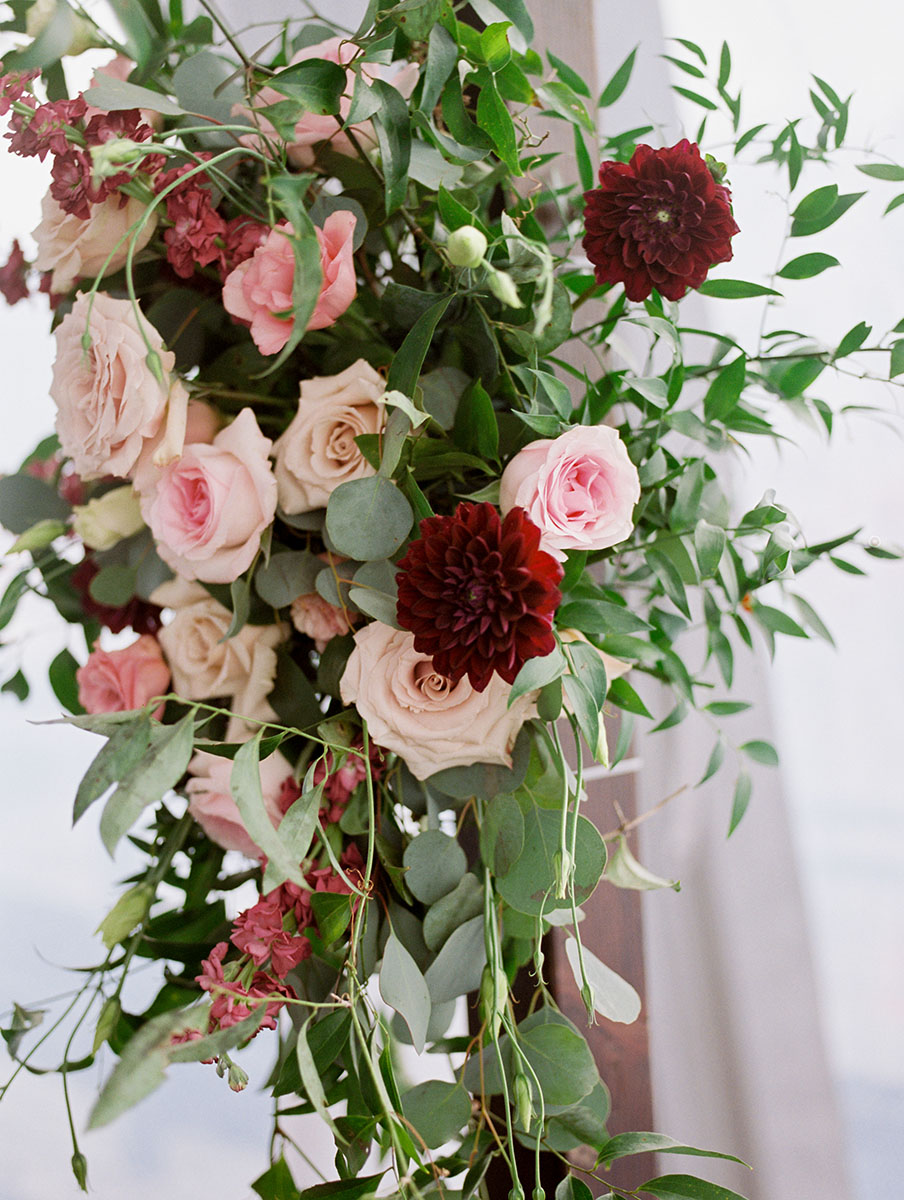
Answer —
(83, 34)
(106, 1022)
(466, 247)
(524, 1108)
(80, 1169)
(493, 995)
(236, 1077)
(503, 288)
(563, 865)
(129, 910)
(109, 158)
(107, 519)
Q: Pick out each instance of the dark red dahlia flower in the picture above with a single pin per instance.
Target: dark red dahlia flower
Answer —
(660, 221)
(478, 593)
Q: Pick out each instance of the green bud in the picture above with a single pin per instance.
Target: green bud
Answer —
(524, 1108)
(237, 1078)
(538, 1194)
(106, 1022)
(587, 997)
(109, 158)
(466, 247)
(503, 287)
(80, 1170)
(517, 1192)
(38, 536)
(129, 910)
(563, 866)
(493, 995)
(717, 169)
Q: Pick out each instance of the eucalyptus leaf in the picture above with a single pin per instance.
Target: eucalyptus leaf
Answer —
(245, 785)
(368, 519)
(403, 988)
(458, 967)
(434, 864)
(613, 997)
(438, 1110)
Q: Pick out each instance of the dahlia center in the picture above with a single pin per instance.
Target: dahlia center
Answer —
(663, 215)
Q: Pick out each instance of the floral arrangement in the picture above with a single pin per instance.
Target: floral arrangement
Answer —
(373, 539)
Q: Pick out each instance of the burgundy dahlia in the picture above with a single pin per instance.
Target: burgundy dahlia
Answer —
(660, 221)
(478, 593)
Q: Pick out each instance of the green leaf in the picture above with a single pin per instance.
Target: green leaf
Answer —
(572, 1188)
(438, 1110)
(434, 865)
(393, 126)
(368, 519)
(817, 204)
(245, 785)
(409, 358)
(160, 768)
(561, 99)
(686, 1187)
(536, 673)
(805, 226)
(742, 793)
(403, 988)
(853, 340)
(476, 430)
(893, 204)
(761, 752)
(808, 265)
(747, 137)
(484, 779)
(442, 55)
(314, 82)
(462, 904)
(343, 1189)
(288, 574)
(514, 10)
(113, 585)
(50, 44)
(716, 758)
(276, 1183)
(613, 997)
(709, 543)
(559, 1055)
(502, 834)
(61, 674)
(624, 1144)
(116, 758)
(494, 117)
(724, 65)
(416, 18)
(38, 537)
(25, 500)
(110, 94)
(16, 685)
(624, 696)
(494, 45)
(529, 884)
(725, 390)
(624, 871)
(376, 591)
(896, 363)
(307, 281)
(568, 75)
(619, 81)
(734, 289)
(599, 617)
(457, 968)
(585, 709)
(311, 1081)
(888, 171)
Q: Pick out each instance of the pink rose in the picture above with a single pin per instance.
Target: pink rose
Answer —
(120, 680)
(74, 249)
(318, 619)
(421, 715)
(211, 506)
(259, 290)
(579, 489)
(108, 400)
(318, 450)
(314, 128)
(211, 804)
(202, 424)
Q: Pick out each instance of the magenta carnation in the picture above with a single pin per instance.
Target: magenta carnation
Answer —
(660, 221)
(479, 594)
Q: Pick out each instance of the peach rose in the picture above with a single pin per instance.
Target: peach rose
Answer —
(211, 804)
(318, 619)
(120, 680)
(318, 451)
(74, 249)
(210, 506)
(579, 488)
(421, 715)
(259, 290)
(108, 400)
(203, 665)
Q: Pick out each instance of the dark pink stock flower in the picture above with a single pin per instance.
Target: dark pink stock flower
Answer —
(479, 594)
(13, 87)
(255, 928)
(230, 1002)
(13, 276)
(340, 783)
(660, 221)
(45, 131)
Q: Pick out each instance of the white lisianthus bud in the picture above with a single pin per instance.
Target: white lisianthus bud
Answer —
(82, 33)
(109, 158)
(503, 287)
(466, 247)
(107, 519)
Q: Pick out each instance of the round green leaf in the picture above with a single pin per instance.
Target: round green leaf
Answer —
(437, 1110)
(529, 885)
(434, 864)
(367, 519)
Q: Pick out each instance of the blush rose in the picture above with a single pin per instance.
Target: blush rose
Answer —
(210, 507)
(579, 489)
(72, 248)
(318, 450)
(211, 804)
(108, 400)
(120, 680)
(259, 290)
(413, 710)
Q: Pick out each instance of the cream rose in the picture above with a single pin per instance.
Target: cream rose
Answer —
(108, 400)
(203, 665)
(579, 489)
(73, 249)
(209, 508)
(421, 715)
(211, 804)
(318, 451)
